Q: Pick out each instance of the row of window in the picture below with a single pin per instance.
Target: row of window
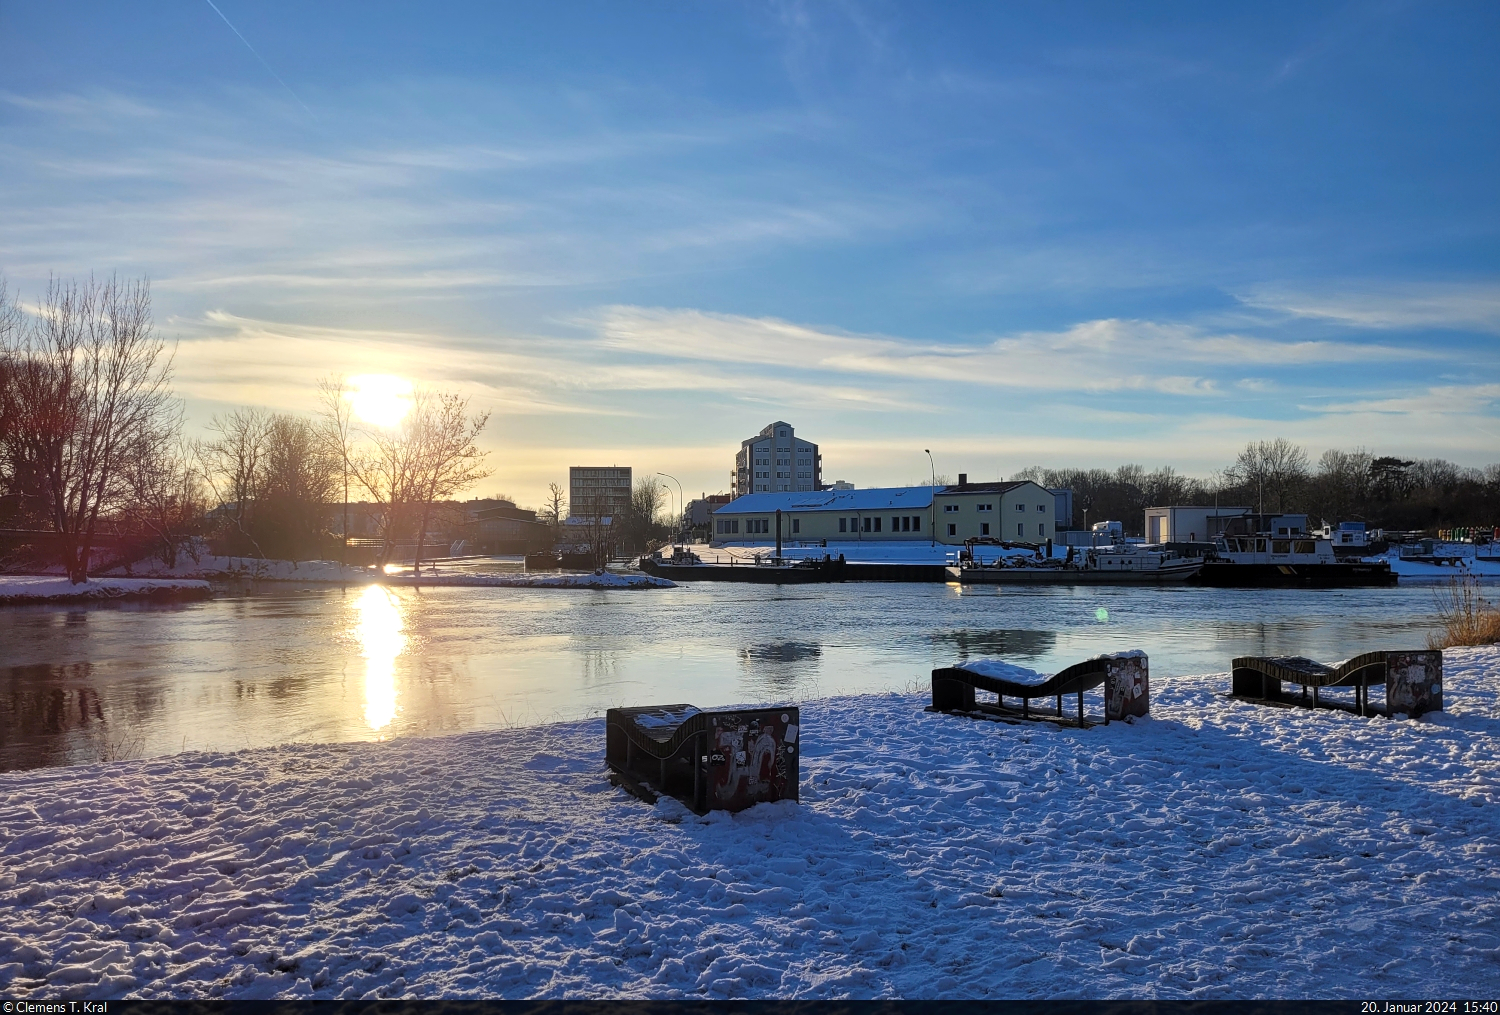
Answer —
(952, 509)
(984, 529)
(899, 523)
(874, 523)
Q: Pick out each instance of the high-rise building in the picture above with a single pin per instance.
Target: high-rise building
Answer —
(598, 491)
(776, 460)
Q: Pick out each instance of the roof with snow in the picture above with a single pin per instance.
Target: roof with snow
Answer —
(890, 498)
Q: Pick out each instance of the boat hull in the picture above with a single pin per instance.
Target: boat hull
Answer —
(1172, 574)
(1227, 574)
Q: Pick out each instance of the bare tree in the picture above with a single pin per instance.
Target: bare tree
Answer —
(234, 463)
(300, 478)
(12, 457)
(337, 434)
(89, 378)
(1276, 469)
(642, 519)
(448, 459)
(553, 511)
(387, 467)
(166, 492)
(601, 529)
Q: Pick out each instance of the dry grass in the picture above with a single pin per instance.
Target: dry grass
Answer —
(1467, 617)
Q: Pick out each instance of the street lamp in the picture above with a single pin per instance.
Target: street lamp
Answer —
(932, 499)
(680, 507)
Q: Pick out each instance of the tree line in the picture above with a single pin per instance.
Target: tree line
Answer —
(92, 448)
(1383, 491)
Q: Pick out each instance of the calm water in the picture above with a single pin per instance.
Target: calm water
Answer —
(273, 665)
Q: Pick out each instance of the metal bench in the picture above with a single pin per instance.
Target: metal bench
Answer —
(1413, 680)
(724, 760)
(1123, 675)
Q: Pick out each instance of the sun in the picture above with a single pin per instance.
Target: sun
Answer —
(380, 399)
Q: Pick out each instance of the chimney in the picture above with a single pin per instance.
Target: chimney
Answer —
(963, 479)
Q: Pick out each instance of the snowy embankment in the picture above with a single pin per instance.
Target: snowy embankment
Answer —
(546, 580)
(1420, 569)
(315, 571)
(253, 568)
(1217, 849)
(21, 589)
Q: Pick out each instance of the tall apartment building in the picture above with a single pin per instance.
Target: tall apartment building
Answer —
(776, 460)
(598, 491)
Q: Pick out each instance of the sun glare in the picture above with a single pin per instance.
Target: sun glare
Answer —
(378, 629)
(380, 398)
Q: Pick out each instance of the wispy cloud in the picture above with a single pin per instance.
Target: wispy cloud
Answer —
(1105, 355)
(1387, 306)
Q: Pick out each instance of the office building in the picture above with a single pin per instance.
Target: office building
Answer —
(776, 460)
(595, 491)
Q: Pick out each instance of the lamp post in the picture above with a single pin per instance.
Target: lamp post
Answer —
(680, 507)
(932, 499)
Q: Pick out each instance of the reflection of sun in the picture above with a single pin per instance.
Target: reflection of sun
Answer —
(379, 630)
(380, 398)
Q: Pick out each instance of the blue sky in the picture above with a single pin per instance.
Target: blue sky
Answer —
(1016, 234)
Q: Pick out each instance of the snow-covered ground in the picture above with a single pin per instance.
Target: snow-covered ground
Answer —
(441, 573)
(1217, 849)
(1419, 569)
(19, 589)
(209, 566)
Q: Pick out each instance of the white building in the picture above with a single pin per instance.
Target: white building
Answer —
(1014, 512)
(776, 460)
(1189, 524)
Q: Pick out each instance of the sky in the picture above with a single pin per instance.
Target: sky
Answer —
(1016, 234)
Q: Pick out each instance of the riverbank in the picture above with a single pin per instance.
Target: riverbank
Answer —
(1218, 849)
(20, 590)
(191, 577)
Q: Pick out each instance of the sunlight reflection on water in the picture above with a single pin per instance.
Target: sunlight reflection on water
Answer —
(257, 666)
(380, 632)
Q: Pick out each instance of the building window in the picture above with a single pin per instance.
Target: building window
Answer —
(843, 525)
(953, 530)
(906, 523)
(916, 523)
(1041, 509)
(796, 525)
(877, 523)
(1020, 528)
(950, 509)
(1041, 528)
(984, 528)
(867, 525)
(1020, 507)
(984, 507)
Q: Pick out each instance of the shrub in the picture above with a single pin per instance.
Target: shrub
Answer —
(1466, 616)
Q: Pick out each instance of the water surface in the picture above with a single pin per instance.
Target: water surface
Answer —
(276, 664)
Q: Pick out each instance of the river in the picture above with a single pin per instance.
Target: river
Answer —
(257, 666)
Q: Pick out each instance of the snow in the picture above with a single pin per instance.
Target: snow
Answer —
(315, 571)
(210, 566)
(1218, 849)
(19, 589)
(1420, 569)
(1002, 670)
(667, 718)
